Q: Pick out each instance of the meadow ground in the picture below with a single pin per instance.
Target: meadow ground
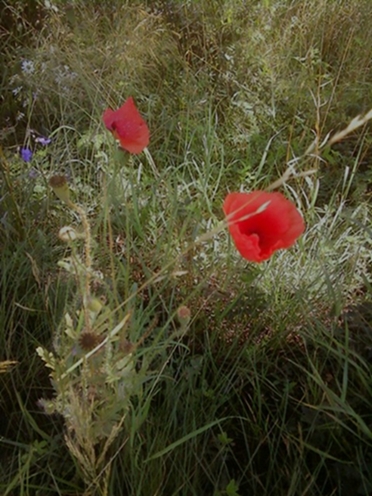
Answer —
(177, 366)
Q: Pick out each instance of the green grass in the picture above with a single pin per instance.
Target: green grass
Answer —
(267, 389)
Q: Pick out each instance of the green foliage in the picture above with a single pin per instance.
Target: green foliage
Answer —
(265, 387)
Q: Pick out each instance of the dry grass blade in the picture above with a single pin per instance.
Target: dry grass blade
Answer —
(7, 365)
(357, 122)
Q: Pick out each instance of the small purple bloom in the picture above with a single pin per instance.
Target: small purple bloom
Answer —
(43, 141)
(26, 154)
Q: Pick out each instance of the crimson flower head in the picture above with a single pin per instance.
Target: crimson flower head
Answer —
(127, 126)
(261, 223)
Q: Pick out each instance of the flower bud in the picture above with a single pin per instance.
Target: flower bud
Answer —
(88, 340)
(126, 346)
(95, 305)
(60, 187)
(184, 315)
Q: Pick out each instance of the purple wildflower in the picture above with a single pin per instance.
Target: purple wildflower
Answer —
(26, 154)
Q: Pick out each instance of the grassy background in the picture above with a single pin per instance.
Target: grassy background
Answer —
(270, 390)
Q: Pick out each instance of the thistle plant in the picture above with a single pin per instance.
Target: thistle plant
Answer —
(92, 366)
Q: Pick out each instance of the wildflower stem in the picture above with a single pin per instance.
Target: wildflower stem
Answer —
(88, 257)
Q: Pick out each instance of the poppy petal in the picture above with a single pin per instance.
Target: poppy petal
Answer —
(128, 126)
(108, 118)
(261, 223)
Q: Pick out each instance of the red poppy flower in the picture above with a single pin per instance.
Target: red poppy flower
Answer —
(127, 126)
(261, 223)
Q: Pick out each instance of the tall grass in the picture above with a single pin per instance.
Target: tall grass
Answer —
(267, 390)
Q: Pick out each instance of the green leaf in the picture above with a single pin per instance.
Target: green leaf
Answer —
(232, 488)
(186, 438)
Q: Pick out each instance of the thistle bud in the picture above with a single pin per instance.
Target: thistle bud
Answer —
(95, 305)
(88, 340)
(60, 187)
(184, 315)
(126, 346)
